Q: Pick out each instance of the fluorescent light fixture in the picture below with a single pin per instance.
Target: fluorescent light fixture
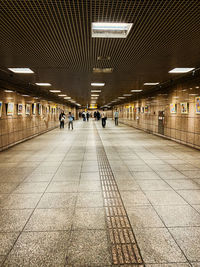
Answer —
(97, 84)
(62, 95)
(127, 95)
(25, 95)
(43, 84)
(136, 91)
(55, 91)
(67, 97)
(110, 30)
(102, 70)
(121, 97)
(155, 83)
(95, 91)
(94, 95)
(181, 70)
(21, 70)
(192, 94)
(8, 91)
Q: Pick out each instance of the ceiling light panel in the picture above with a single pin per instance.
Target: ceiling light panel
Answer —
(136, 91)
(102, 70)
(95, 91)
(181, 70)
(154, 83)
(21, 70)
(55, 91)
(97, 84)
(62, 95)
(43, 84)
(110, 30)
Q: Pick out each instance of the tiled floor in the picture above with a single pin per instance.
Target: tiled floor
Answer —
(51, 203)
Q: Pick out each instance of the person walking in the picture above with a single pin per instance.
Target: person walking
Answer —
(116, 115)
(62, 119)
(70, 121)
(84, 116)
(103, 119)
(87, 115)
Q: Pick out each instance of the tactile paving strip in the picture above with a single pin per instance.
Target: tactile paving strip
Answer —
(125, 250)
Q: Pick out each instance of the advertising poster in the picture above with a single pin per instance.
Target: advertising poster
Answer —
(10, 109)
(184, 108)
(39, 109)
(146, 109)
(28, 109)
(34, 108)
(19, 109)
(197, 104)
(1, 104)
(173, 108)
(142, 109)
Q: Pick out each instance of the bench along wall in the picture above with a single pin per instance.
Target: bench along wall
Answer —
(175, 115)
(22, 125)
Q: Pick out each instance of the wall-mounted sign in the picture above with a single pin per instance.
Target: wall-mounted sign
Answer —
(93, 106)
(10, 109)
(19, 109)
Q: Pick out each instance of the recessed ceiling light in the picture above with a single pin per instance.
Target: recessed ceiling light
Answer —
(94, 95)
(43, 84)
(8, 91)
(110, 30)
(67, 97)
(127, 95)
(62, 95)
(95, 91)
(136, 91)
(97, 84)
(102, 70)
(181, 70)
(55, 91)
(155, 83)
(21, 70)
(197, 87)
(121, 97)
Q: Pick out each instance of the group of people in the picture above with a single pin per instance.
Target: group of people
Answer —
(86, 116)
(62, 118)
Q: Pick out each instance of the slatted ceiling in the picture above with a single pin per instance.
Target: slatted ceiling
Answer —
(54, 38)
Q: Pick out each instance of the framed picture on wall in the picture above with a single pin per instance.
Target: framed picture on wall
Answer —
(10, 109)
(28, 109)
(34, 108)
(146, 109)
(1, 104)
(19, 109)
(184, 108)
(39, 109)
(173, 108)
(197, 104)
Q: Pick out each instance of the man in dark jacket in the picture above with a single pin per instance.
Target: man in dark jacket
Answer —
(62, 119)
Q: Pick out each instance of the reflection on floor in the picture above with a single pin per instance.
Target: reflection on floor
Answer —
(52, 209)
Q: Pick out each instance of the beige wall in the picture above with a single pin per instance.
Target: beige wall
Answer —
(184, 128)
(16, 128)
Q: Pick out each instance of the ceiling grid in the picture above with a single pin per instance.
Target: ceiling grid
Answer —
(53, 37)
